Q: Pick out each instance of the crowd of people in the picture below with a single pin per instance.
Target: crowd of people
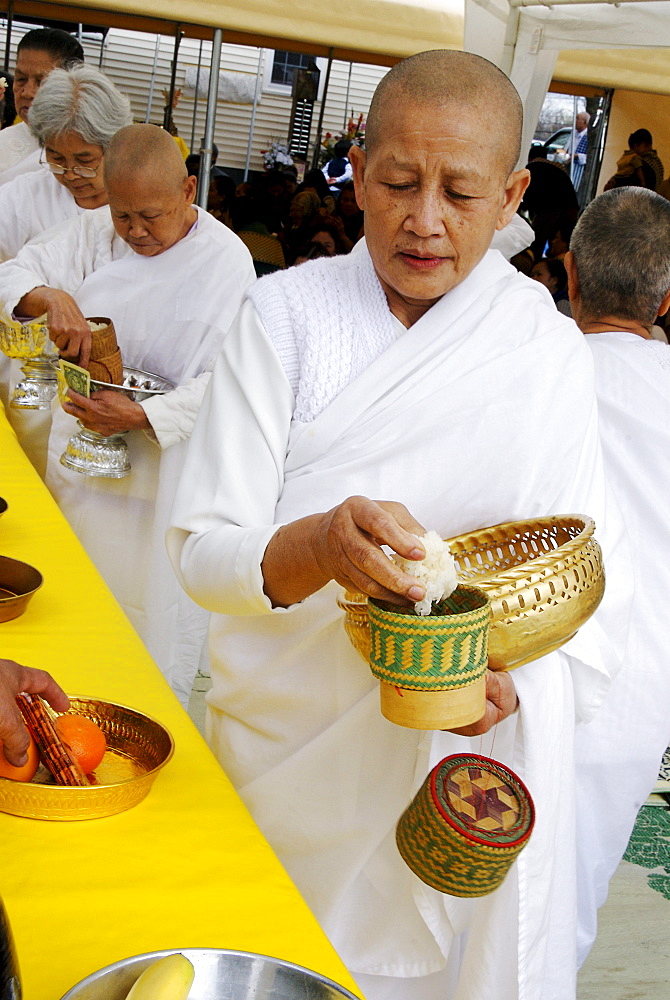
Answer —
(325, 411)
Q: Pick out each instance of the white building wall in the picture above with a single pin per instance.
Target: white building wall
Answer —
(128, 58)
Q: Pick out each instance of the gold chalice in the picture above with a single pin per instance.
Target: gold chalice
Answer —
(29, 342)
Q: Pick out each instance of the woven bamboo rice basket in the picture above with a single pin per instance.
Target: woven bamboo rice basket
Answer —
(105, 364)
(544, 578)
(466, 825)
(432, 667)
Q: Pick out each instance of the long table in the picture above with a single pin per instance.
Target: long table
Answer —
(187, 867)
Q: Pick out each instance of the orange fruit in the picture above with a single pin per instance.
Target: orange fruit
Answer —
(85, 739)
(27, 771)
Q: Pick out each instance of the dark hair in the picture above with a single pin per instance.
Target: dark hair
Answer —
(8, 107)
(225, 186)
(315, 179)
(557, 270)
(63, 47)
(342, 148)
(325, 224)
(642, 135)
(311, 251)
(193, 164)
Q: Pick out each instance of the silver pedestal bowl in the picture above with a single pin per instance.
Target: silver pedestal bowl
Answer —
(94, 455)
(29, 342)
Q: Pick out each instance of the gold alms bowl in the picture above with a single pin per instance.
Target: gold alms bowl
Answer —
(138, 747)
(544, 578)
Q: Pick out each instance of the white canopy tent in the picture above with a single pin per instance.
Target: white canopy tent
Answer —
(524, 38)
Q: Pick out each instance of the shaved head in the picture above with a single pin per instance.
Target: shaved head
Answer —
(150, 193)
(147, 151)
(443, 77)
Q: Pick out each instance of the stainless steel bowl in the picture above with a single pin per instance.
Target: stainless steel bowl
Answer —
(220, 974)
(94, 455)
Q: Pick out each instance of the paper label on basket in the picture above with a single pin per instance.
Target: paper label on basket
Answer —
(77, 378)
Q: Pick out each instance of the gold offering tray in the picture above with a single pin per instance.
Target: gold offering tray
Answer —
(544, 578)
(138, 747)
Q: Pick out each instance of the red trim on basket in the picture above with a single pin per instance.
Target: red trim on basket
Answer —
(457, 827)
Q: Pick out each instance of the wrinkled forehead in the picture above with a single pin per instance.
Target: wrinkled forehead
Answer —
(451, 138)
(142, 191)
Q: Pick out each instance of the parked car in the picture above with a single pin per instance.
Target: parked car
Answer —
(554, 149)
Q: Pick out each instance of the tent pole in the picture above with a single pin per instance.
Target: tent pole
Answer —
(253, 114)
(212, 95)
(153, 79)
(8, 38)
(509, 45)
(197, 89)
(167, 118)
(346, 99)
(319, 128)
(573, 143)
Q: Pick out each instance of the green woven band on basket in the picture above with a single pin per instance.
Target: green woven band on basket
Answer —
(445, 650)
(452, 857)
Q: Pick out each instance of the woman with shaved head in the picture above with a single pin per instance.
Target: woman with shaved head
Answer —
(360, 400)
(171, 278)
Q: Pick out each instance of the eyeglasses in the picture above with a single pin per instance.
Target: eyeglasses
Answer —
(56, 168)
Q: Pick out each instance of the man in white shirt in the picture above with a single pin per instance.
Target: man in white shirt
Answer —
(37, 53)
(171, 279)
(619, 281)
(426, 372)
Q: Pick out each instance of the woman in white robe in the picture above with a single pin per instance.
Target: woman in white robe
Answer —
(170, 311)
(454, 418)
(38, 53)
(73, 118)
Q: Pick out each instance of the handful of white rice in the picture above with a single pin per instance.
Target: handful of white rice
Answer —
(437, 571)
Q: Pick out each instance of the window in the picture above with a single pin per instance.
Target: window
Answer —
(284, 63)
(279, 66)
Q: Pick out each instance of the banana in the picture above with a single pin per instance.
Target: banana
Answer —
(168, 978)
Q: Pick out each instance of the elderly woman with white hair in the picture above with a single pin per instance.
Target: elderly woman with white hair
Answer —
(74, 116)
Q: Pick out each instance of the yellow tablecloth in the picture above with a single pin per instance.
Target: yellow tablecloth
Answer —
(185, 868)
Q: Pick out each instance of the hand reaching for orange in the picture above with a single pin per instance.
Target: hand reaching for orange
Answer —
(85, 739)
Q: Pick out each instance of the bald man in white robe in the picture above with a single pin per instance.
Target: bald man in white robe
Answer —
(171, 278)
(619, 279)
(425, 373)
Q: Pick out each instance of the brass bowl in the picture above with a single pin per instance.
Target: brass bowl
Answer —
(544, 578)
(138, 747)
(18, 582)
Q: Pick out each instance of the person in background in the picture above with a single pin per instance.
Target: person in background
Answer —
(315, 181)
(619, 281)
(551, 273)
(249, 213)
(338, 170)
(221, 197)
(550, 203)
(638, 166)
(577, 147)
(348, 211)
(7, 105)
(641, 143)
(359, 400)
(37, 54)
(329, 232)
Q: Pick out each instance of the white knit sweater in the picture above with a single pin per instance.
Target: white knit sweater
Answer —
(328, 320)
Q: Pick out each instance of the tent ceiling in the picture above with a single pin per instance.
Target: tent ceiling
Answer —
(379, 31)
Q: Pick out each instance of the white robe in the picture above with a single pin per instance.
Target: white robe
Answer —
(31, 208)
(171, 313)
(483, 411)
(618, 753)
(29, 205)
(19, 152)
